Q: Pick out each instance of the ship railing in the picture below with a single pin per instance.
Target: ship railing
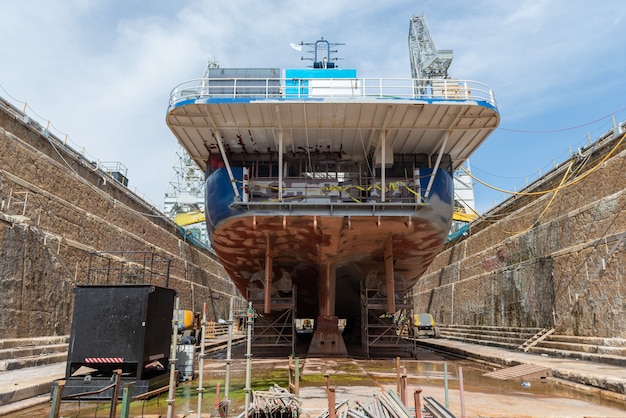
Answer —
(332, 88)
(398, 190)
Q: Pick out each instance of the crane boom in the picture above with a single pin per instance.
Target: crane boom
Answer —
(427, 62)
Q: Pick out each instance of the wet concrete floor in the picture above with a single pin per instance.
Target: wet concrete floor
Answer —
(359, 379)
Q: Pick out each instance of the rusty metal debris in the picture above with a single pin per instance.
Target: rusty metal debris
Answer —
(275, 402)
(384, 405)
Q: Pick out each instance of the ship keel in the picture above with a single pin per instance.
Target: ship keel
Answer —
(327, 338)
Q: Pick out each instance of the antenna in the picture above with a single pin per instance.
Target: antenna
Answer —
(322, 53)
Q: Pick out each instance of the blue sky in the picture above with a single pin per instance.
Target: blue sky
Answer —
(101, 71)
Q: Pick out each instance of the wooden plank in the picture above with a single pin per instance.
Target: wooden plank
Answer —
(521, 372)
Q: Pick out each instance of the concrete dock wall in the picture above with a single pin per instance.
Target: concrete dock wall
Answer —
(56, 209)
(543, 259)
(537, 260)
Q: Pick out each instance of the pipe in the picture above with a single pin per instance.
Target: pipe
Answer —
(418, 403)
(171, 397)
(201, 362)
(127, 398)
(331, 402)
(228, 355)
(398, 374)
(445, 383)
(462, 392)
(226, 163)
(57, 396)
(116, 390)
(436, 167)
(248, 358)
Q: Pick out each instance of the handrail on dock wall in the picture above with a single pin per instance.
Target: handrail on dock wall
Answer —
(335, 88)
(57, 143)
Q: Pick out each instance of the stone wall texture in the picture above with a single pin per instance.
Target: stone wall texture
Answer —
(56, 211)
(545, 259)
(538, 260)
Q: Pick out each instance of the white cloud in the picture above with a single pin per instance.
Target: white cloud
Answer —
(102, 70)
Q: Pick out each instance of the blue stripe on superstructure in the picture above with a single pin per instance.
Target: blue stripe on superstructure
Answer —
(230, 100)
(319, 73)
(181, 103)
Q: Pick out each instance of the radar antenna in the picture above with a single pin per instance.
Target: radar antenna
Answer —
(322, 53)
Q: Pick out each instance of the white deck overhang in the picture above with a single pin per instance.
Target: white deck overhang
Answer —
(351, 127)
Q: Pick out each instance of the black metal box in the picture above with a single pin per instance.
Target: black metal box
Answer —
(126, 327)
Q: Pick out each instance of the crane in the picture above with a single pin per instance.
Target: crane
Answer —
(427, 63)
(184, 200)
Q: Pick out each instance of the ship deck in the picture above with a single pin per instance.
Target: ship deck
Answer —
(251, 116)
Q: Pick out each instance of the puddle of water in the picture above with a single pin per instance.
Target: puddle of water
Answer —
(484, 396)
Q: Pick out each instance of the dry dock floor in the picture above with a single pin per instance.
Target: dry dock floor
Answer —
(359, 379)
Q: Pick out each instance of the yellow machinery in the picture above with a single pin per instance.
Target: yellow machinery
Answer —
(463, 216)
(424, 324)
(187, 320)
(189, 218)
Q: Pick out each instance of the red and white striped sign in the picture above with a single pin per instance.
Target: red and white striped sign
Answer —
(104, 359)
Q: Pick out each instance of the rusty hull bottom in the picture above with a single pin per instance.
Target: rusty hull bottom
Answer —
(327, 259)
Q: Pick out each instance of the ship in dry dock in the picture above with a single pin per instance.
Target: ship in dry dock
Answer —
(320, 184)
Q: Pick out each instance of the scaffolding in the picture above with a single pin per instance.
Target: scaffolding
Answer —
(276, 329)
(185, 198)
(381, 330)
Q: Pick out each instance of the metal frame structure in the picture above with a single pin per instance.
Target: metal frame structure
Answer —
(131, 267)
(275, 328)
(381, 330)
(185, 198)
(427, 62)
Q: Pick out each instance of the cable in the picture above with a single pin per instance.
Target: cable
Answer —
(549, 202)
(97, 190)
(495, 218)
(8, 94)
(560, 187)
(475, 168)
(549, 131)
(41, 118)
(561, 292)
(66, 163)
